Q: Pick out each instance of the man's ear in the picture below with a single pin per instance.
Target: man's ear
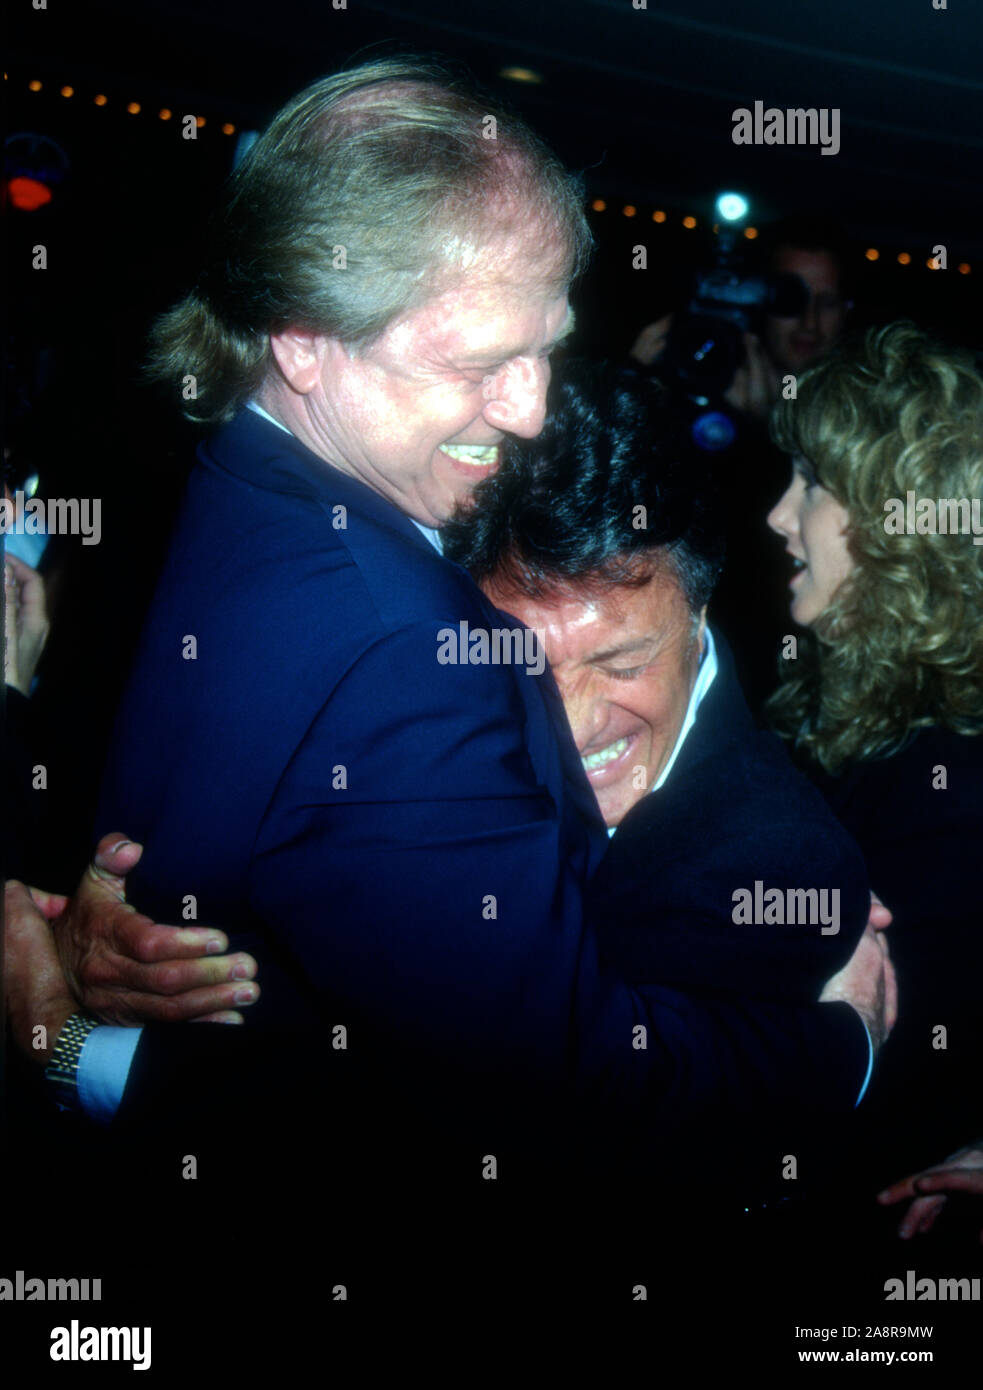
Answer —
(299, 355)
(701, 634)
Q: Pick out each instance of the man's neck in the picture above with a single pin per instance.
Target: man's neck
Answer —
(431, 534)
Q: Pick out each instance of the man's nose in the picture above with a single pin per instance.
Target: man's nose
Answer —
(809, 322)
(516, 397)
(586, 712)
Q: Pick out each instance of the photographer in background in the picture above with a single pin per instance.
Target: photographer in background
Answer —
(814, 251)
(817, 253)
(766, 315)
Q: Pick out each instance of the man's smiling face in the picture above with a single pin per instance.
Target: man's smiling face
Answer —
(625, 660)
(420, 415)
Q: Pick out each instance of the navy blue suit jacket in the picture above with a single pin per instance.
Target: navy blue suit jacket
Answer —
(403, 844)
(733, 812)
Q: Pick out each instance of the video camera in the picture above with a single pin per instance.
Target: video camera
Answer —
(706, 341)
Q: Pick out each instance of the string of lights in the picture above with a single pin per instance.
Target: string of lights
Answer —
(598, 205)
(132, 108)
(872, 253)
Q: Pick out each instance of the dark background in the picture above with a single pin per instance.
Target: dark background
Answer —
(640, 100)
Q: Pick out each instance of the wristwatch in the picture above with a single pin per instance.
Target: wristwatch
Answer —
(62, 1070)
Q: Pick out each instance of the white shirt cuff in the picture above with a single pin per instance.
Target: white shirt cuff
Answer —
(103, 1066)
(870, 1065)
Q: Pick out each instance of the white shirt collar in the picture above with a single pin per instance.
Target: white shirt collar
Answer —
(432, 535)
(703, 682)
(253, 405)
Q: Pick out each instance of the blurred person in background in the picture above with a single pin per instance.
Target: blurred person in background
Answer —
(748, 605)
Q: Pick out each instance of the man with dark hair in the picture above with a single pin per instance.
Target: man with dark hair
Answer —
(815, 251)
(602, 535)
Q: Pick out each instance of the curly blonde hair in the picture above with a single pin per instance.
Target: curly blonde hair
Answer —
(900, 646)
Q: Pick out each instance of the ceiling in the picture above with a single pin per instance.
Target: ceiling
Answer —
(641, 98)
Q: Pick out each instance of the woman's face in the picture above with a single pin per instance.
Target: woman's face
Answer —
(813, 525)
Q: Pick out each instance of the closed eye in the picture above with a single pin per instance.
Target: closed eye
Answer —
(481, 374)
(627, 673)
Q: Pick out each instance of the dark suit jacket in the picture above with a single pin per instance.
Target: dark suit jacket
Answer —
(920, 836)
(922, 842)
(733, 811)
(403, 844)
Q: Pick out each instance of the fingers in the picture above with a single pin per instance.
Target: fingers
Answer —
(170, 976)
(920, 1216)
(115, 857)
(34, 988)
(890, 995)
(31, 586)
(951, 1180)
(197, 1004)
(20, 571)
(50, 905)
(898, 1191)
(862, 972)
(225, 1016)
(11, 591)
(946, 1179)
(145, 942)
(929, 1190)
(133, 934)
(11, 598)
(922, 1213)
(880, 916)
(19, 902)
(867, 983)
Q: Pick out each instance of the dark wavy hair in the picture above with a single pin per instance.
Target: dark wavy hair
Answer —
(610, 488)
(900, 646)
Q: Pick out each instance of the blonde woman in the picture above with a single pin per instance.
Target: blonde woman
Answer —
(883, 700)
